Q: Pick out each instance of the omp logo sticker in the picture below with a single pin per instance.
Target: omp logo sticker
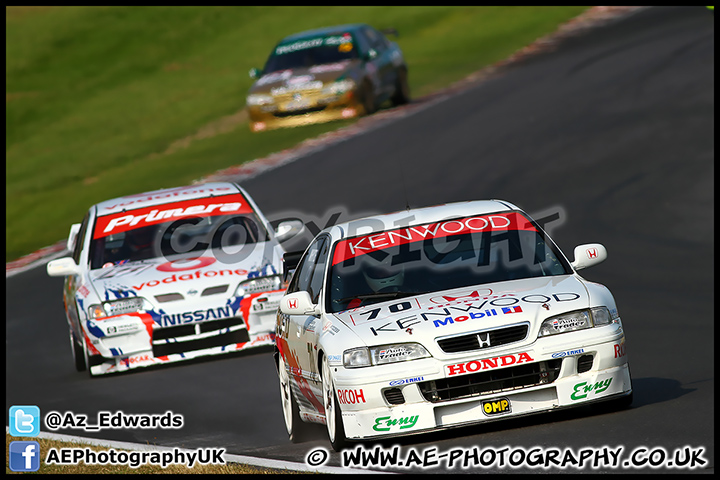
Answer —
(494, 407)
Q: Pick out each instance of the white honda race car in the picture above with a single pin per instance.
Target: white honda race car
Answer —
(170, 275)
(441, 317)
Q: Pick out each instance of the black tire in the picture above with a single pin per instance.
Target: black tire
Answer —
(402, 89)
(368, 98)
(78, 353)
(333, 416)
(296, 428)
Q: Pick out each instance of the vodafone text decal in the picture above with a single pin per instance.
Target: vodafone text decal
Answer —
(190, 276)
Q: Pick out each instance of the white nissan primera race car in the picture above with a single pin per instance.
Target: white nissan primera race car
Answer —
(441, 317)
(170, 275)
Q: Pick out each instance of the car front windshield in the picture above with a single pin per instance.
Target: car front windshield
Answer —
(185, 235)
(313, 51)
(445, 255)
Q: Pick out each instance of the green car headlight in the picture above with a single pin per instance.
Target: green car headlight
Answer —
(258, 99)
(339, 87)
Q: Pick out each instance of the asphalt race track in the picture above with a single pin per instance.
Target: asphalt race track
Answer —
(613, 131)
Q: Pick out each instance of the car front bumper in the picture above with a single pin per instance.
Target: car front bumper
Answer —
(422, 395)
(315, 111)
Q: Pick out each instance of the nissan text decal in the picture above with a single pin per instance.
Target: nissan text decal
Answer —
(202, 207)
(353, 247)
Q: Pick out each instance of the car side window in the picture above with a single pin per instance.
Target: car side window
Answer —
(363, 43)
(80, 239)
(377, 40)
(318, 272)
(304, 272)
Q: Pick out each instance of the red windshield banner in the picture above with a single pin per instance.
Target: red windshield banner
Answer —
(142, 217)
(353, 247)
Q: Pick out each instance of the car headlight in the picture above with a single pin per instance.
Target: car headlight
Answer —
(116, 307)
(577, 320)
(356, 357)
(339, 87)
(259, 99)
(383, 354)
(259, 284)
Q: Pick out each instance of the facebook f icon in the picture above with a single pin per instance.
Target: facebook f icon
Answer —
(24, 456)
(24, 421)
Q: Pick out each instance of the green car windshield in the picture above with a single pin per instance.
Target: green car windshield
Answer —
(311, 51)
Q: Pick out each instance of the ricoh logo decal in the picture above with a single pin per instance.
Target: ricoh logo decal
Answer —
(488, 363)
(350, 396)
(619, 349)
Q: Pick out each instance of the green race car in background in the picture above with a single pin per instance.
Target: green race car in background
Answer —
(327, 74)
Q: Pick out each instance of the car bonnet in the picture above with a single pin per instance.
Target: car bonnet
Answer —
(426, 317)
(193, 278)
(298, 79)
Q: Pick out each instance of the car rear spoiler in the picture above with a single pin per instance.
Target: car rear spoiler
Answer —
(390, 31)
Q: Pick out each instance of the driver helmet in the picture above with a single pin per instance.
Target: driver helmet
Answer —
(382, 277)
(139, 239)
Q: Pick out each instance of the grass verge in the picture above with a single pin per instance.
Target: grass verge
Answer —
(109, 101)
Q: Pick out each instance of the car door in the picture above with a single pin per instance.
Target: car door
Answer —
(74, 285)
(380, 62)
(303, 330)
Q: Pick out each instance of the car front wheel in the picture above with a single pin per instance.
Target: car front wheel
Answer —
(402, 89)
(296, 428)
(78, 351)
(333, 417)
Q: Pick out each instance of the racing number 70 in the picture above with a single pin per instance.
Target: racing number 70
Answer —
(394, 308)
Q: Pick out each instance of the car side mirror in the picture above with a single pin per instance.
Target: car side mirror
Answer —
(254, 72)
(588, 255)
(298, 303)
(288, 229)
(74, 229)
(62, 267)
